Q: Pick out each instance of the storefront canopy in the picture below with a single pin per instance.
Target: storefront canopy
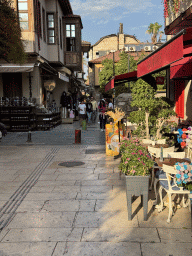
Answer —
(181, 68)
(165, 55)
(13, 68)
(127, 77)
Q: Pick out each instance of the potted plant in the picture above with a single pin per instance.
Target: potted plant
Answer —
(136, 165)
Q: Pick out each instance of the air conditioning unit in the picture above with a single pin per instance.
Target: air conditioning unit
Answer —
(126, 49)
(155, 47)
(132, 49)
(147, 48)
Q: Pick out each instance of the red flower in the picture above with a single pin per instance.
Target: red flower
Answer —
(184, 136)
(183, 144)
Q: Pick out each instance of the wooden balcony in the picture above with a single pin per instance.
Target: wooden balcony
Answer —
(73, 60)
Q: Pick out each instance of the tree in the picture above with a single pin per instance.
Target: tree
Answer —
(120, 68)
(143, 98)
(153, 29)
(11, 46)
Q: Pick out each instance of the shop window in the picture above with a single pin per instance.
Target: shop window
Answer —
(23, 14)
(51, 28)
(61, 41)
(44, 24)
(70, 38)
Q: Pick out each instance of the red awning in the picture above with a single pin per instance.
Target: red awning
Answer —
(131, 76)
(109, 85)
(181, 68)
(162, 57)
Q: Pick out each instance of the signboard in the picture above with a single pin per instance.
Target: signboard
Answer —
(49, 85)
(63, 77)
(159, 80)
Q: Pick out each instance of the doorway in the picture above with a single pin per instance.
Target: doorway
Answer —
(12, 85)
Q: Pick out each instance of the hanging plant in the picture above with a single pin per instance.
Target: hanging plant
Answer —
(173, 4)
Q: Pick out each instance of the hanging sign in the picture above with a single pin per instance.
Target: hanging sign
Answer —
(159, 80)
(49, 85)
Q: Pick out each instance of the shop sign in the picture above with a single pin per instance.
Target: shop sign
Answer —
(159, 80)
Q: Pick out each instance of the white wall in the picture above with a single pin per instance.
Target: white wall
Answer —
(60, 87)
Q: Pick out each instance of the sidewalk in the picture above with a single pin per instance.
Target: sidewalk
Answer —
(53, 210)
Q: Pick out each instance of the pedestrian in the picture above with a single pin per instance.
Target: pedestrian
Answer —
(94, 114)
(110, 106)
(89, 110)
(82, 111)
(102, 116)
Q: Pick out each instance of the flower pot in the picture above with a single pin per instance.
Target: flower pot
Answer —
(137, 186)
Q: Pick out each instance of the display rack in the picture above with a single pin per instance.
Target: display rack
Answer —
(18, 118)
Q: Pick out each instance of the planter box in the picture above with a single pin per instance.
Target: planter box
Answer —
(137, 186)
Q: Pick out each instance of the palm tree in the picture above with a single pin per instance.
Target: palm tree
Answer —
(153, 29)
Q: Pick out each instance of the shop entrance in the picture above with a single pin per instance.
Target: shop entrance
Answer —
(12, 85)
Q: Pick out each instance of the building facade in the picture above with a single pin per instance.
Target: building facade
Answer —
(109, 47)
(51, 34)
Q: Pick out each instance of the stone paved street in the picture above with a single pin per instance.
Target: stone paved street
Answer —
(52, 210)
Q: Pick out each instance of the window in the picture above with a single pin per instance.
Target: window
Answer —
(51, 28)
(61, 41)
(70, 37)
(44, 28)
(23, 14)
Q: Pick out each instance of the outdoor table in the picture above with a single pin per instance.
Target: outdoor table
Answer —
(170, 161)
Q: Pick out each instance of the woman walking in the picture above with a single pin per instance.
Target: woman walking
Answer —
(102, 117)
(89, 110)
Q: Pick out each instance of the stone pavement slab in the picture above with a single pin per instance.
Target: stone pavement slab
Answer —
(121, 234)
(51, 196)
(43, 220)
(97, 249)
(166, 249)
(43, 234)
(29, 249)
(173, 235)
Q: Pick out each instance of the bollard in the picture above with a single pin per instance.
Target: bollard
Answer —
(29, 136)
(84, 125)
(77, 136)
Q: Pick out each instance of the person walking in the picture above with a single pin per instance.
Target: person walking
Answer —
(94, 113)
(102, 116)
(110, 106)
(82, 111)
(89, 110)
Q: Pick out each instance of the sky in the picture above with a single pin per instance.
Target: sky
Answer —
(102, 17)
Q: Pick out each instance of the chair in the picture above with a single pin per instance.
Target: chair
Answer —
(162, 141)
(147, 141)
(168, 183)
(189, 151)
(176, 154)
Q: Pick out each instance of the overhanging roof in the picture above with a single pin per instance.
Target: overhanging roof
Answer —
(181, 69)
(14, 68)
(127, 77)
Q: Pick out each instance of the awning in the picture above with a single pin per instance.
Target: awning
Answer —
(166, 54)
(131, 76)
(181, 68)
(63, 77)
(13, 68)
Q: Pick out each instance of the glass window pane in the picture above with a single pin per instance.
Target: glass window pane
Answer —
(67, 33)
(72, 27)
(23, 6)
(24, 25)
(50, 17)
(51, 40)
(23, 16)
(67, 27)
(50, 24)
(72, 33)
(51, 32)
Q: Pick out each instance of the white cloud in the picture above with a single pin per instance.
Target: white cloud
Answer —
(106, 10)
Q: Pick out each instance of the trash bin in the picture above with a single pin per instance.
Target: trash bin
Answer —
(84, 125)
(77, 136)
(112, 132)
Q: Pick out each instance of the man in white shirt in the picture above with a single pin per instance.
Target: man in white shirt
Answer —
(94, 114)
(110, 106)
(82, 112)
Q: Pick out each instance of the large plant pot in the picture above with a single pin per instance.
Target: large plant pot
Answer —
(137, 186)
